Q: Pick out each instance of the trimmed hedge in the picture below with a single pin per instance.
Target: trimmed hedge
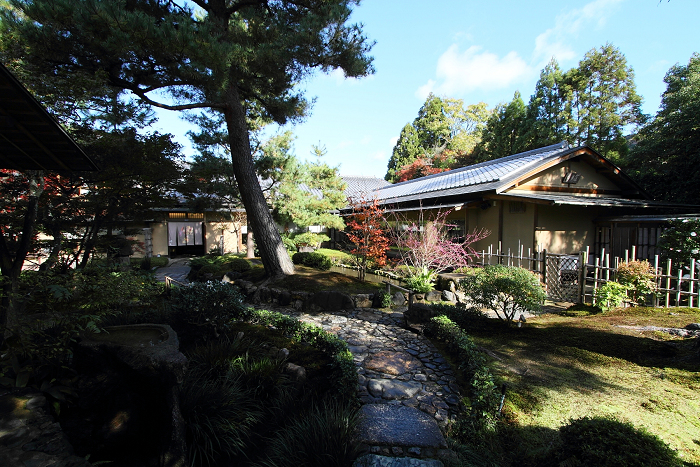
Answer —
(313, 260)
(483, 398)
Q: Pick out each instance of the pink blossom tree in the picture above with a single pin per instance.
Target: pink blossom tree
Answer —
(427, 248)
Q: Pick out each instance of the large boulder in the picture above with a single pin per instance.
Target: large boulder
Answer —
(329, 301)
(419, 313)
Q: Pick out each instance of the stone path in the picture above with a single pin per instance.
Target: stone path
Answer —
(176, 269)
(408, 389)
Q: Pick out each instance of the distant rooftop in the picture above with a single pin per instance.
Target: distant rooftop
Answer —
(362, 186)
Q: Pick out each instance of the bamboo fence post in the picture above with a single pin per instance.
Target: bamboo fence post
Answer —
(595, 280)
(678, 293)
(655, 300)
(692, 283)
(668, 283)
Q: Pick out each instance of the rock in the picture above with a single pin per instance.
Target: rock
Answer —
(231, 276)
(392, 363)
(284, 298)
(296, 373)
(419, 296)
(399, 299)
(433, 296)
(363, 301)
(399, 390)
(329, 301)
(265, 295)
(398, 425)
(449, 296)
(419, 313)
(376, 460)
(693, 327)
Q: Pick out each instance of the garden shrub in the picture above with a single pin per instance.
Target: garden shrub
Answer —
(318, 261)
(299, 257)
(289, 243)
(385, 299)
(505, 290)
(610, 295)
(483, 398)
(238, 264)
(607, 442)
(638, 276)
(420, 281)
(311, 239)
(213, 303)
(464, 317)
(312, 260)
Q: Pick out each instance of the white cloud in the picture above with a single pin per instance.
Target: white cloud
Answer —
(393, 141)
(555, 42)
(461, 72)
(380, 156)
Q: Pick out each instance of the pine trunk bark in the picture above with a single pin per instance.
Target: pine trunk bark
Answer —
(273, 254)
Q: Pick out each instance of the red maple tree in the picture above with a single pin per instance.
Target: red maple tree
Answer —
(366, 232)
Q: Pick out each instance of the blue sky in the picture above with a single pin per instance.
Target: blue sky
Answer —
(476, 51)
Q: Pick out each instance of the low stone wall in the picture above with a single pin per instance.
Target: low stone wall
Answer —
(333, 300)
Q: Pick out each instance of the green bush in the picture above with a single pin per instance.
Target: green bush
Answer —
(311, 239)
(610, 295)
(483, 398)
(385, 299)
(289, 243)
(299, 257)
(318, 261)
(421, 281)
(213, 303)
(238, 264)
(505, 290)
(607, 442)
(461, 315)
(638, 276)
(313, 260)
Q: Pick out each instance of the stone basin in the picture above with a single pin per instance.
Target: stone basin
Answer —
(140, 335)
(147, 356)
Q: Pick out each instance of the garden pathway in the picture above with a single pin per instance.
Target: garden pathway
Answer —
(177, 269)
(407, 388)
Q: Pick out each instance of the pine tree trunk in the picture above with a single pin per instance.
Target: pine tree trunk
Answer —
(272, 251)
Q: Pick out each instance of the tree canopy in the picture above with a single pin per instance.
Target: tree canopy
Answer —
(666, 157)
(241, 59)
(443, 133)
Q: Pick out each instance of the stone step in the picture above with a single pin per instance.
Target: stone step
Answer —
(399, 426)
(374, 460)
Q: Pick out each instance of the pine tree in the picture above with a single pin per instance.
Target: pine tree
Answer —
(240, 59)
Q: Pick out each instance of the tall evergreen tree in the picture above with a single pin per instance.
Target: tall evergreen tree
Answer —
(603, 100)
(406, 150)
(547, 118)
(666, 158)
(237, 58)
(505, 132)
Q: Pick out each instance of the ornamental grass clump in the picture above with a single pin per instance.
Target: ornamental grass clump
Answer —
(506, 290)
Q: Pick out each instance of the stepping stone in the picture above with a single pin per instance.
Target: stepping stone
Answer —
(392, 363)
(398, 425)
(374, 460)
(392, 389)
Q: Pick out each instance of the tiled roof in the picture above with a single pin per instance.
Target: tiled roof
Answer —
(362, 186)
(477, 178)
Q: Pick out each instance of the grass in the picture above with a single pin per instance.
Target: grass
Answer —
(562, 367)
